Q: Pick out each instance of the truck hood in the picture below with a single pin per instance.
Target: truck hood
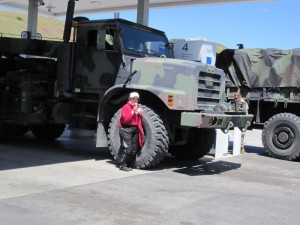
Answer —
(192, 83)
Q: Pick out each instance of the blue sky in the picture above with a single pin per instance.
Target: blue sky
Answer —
(256, 25)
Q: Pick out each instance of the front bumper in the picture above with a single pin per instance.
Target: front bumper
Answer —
(216, 121)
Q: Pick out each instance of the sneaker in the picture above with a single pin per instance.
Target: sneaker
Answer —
(131, 167)
(125, 168)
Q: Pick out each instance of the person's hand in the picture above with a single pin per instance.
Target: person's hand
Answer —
(140, 110)
(135, 109)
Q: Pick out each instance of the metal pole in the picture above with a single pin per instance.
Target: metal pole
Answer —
(68, 22)
(32, 17)
(117, 15)
(143, 12)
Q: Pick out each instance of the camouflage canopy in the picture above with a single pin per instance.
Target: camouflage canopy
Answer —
(256, 68)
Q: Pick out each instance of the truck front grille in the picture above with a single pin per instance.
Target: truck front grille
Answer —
(209, 86)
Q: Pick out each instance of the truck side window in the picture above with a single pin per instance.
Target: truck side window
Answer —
(101, 39)
(92, 38)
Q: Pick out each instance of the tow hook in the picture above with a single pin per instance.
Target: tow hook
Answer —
(230, 125)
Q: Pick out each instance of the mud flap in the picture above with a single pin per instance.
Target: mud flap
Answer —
(101, 136)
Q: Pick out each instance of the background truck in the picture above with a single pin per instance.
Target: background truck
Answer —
(270, 80)
(83, 83)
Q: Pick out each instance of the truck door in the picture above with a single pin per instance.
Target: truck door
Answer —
(98, 59)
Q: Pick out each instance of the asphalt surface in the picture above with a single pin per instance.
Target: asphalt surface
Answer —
(72, 182)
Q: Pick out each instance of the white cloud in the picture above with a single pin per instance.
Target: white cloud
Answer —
(265, 10)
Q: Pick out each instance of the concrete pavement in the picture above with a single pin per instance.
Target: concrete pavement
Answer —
(72, 182)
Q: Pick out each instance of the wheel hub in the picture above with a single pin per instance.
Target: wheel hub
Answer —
(283, 137)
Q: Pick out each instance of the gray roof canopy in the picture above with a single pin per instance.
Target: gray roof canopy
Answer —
(59, 7)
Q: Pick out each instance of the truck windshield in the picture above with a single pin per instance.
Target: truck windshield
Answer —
(143, 42)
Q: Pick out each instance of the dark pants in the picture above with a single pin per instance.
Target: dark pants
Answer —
(129, 139)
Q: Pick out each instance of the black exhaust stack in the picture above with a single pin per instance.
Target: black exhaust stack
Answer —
(68, 22)
(64, 64)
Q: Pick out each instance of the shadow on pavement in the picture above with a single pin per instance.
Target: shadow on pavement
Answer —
(26, 151)
(203, 166)
(256, 150)
(251, 149)
(209, 168)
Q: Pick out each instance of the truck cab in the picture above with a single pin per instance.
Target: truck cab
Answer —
(103, 47)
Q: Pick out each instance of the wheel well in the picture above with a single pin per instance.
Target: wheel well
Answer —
(114, 100)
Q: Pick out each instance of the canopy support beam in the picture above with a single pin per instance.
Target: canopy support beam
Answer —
(32, 17)
(143, 12)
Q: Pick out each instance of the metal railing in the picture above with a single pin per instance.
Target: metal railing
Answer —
(8, 35)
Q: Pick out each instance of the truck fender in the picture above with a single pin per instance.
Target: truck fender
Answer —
(105, 99)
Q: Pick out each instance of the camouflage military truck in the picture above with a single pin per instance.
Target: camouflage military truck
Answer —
(270, 79)
(84, 82)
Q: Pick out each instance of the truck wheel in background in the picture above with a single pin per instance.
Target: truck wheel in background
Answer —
(199, 143)
(2, 131)
(2, 128)
(281, 136)
(7, 130)
(155, 144)
(48, 132)
(17, 130)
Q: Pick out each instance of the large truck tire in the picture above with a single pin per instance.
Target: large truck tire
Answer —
(2, 131)
(156, 140)
(17, 130)
(199, 143)
(2, 128)
(281, 136)
(7, 130)
(48, 132)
